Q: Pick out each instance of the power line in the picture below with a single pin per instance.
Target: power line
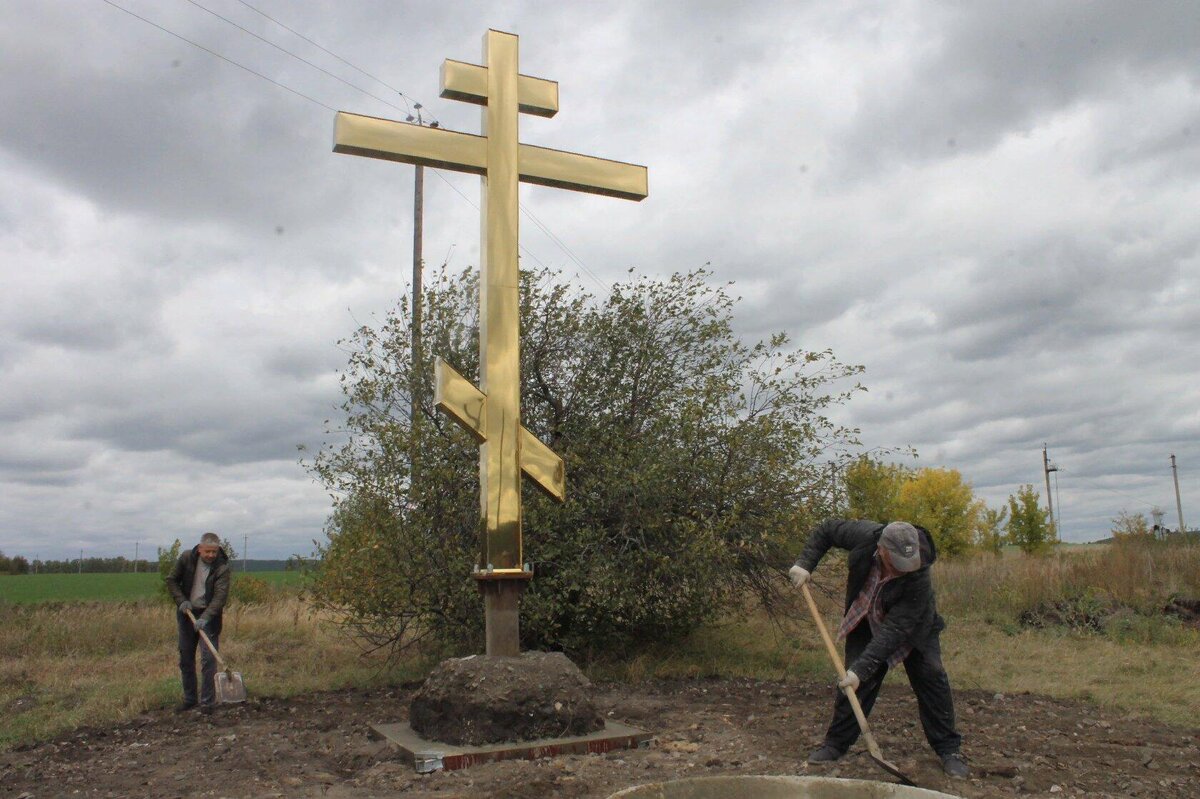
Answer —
(223, 58)
(562, 246)
(471, 203)
(298, 58)
(360, 70)
(407, 111)
(1111, 490)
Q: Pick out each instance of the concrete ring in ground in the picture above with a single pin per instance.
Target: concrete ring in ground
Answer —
(762, 787)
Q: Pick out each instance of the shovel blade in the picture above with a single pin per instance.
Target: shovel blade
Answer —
(230, 687)
(894, 770)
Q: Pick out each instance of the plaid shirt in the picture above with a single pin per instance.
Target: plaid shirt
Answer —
(867, 605)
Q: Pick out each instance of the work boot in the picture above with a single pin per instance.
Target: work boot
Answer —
(826, 754)
(184, 707)
(954, 766)
(207, 710)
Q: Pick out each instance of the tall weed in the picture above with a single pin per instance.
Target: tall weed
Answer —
(1141, 577)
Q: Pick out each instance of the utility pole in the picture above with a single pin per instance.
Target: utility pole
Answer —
(81, 561)
(1047, 467)
(418, 264)
(245, 549)
(135, 555)
(1178, 503)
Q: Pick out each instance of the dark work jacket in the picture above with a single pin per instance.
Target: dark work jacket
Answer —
(909, 606)
(216, 587)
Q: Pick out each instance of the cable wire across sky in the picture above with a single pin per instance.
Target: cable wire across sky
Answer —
(410, 102)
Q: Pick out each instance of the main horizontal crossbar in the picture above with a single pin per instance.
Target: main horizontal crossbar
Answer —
(463, 152)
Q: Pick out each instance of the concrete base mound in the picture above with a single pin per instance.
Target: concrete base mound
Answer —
(776, 788)
(480, 700)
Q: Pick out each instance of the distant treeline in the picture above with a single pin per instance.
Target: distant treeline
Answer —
(90, 565)
(22, 565)
(17, 565)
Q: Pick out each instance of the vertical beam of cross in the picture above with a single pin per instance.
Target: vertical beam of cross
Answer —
(493, 414)
(499, 349)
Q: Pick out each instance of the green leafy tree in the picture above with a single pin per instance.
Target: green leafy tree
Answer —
(989, 535)
(873, 487)
(14, 565)
(691, 462)
(166, 562)
(1028, 522)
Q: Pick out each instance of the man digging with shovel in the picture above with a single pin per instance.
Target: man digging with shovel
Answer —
(199, 584)
(891, 617)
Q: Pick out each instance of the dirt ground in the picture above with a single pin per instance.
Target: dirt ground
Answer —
(318, 746)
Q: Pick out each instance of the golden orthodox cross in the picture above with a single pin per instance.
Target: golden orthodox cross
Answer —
(492, 413)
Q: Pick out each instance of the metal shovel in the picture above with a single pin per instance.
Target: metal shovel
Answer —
(872, 747)
(229, 685)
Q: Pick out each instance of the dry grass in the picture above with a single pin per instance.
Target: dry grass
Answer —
(1141, 664)
(1142, 577)
(74, 665)
(1155, 679)
(84, 664)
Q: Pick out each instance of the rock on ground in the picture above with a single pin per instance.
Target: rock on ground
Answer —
(482, 700)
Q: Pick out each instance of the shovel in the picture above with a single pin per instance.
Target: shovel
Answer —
(872, 747)
(229, 685)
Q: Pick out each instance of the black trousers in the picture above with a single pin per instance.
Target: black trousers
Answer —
(189, 640)
(929, 682)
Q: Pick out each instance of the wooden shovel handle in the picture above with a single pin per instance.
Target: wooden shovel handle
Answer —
(208, 643)
(836, 657)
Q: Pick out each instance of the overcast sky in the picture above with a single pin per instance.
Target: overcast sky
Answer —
(992, 206)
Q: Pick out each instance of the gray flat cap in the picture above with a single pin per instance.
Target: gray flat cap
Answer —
(903, 544)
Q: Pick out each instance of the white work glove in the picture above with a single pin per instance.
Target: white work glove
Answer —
(799, 576)
(850, 681)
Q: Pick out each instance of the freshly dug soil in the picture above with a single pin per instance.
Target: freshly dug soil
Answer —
(481, 700)
(1187, 610)
(318, 746)
(1095, 615)
(1085, 615)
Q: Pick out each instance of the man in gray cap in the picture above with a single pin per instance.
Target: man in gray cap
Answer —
(891, 617)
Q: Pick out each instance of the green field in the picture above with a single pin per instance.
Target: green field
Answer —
(26, 589)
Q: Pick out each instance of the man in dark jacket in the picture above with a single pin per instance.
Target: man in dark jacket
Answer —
(891, 617)
(199, 583)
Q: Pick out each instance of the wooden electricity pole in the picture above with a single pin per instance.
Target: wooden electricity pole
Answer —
(417, 264)
(1178, 503)
(1046, 469)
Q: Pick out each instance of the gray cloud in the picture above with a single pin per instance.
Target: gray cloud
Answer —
(989, 209)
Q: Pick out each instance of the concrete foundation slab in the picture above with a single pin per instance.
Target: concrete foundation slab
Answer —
(430, 756)
(776, 788)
